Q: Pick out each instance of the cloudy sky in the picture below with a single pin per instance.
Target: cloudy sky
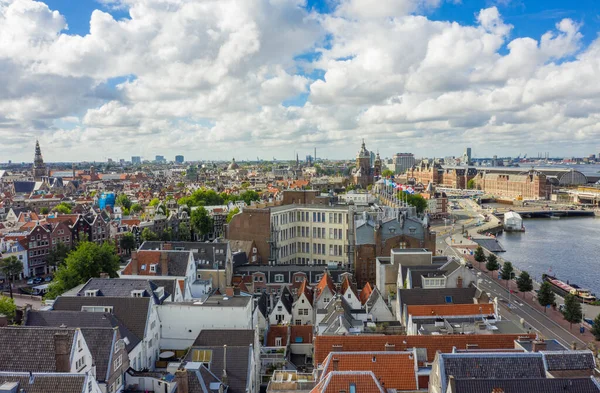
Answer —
(212, 79)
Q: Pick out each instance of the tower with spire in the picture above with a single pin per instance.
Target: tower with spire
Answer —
(39, 168)
(364, 173)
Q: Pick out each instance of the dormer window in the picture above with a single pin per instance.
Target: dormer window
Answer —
(91, 293)
(279, 278)
(137, 293)
(153, 268)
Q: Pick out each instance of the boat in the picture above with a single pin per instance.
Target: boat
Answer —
(563, 289)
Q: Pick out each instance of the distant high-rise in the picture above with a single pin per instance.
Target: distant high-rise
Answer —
(136, 160)
(402, 161)
(39, 168)
(467, 156)
(159, 159)
(179, 159)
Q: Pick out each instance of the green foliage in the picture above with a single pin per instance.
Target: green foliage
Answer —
(202, 197)
(136, 208)
(63, 208)
(148, 235)
(184, 233)
(166, 235)
(524, 282)
(10, 267)
(572, 311)
(492, 263)
(479, 254)
(471, 184)
(507, 271)
(350, 187)
(596, 328)
(249, 196)
(123, 201)
(201, 221)
(387, 173)
(44, 210)
(87, 261)
(154, 202)
(245, 185)
(370, 187)
(127, 242)
(415, 200)
(8, 307)
(546, 296)
(58, 254)
(232, 213)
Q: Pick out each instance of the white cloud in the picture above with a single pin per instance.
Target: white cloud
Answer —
(208, 78)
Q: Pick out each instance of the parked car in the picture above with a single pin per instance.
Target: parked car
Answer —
(30, 281)
(48, 278)
(38, 280)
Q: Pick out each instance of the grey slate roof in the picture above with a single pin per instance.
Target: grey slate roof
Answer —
(238, 363)
(262, 304)
(100, 342)
(229, 337)
(569, 360)
(81, 319)
(131, 311)
(528, 385)
(419, 296)
(202, 251)
(313, 272)
(287, 299)
(122, 287)
(46, 382)
(24, 187)
(27, 349)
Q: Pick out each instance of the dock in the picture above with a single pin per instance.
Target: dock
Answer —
(492, 245)
(551, 213)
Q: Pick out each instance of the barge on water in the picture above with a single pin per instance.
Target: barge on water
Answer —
(563, 289)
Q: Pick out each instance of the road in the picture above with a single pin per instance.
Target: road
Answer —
(511, 306)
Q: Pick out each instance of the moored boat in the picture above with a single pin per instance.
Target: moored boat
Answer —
(563, 289)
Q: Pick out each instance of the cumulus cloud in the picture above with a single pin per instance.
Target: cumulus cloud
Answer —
(205, 78)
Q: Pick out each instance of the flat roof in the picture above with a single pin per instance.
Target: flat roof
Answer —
(410, 250)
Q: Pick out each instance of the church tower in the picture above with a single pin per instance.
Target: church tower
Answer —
(377, 166)
(363, 175)
(39, 168)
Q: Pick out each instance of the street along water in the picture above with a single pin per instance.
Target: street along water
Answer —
(568, 248)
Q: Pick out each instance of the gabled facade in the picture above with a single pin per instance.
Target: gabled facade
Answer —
(325, 291)
(282, 310)
(302, 309)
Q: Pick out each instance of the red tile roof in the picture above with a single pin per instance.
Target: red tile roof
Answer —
(450, 309)
(277, 331)
(181, 287)
(365, 293)
(444, 343)
(337, 381)
(394, 370)
(326, 281)
(347, 284)
(304, 288)
(304, 332)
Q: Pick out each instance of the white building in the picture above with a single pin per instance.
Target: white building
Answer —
(513, 221)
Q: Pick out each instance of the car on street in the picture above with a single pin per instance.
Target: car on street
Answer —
(38, 280)
(30, 281)
(48, 279)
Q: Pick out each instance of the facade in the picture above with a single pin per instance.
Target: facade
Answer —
(401, 162)
(365, 172)
(531, 185)
(136, 160)
(179, 159)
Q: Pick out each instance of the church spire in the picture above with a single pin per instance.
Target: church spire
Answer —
(39, 168)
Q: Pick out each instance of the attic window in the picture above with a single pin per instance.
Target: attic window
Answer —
(352, 388)
(91, 293)
(279, 278)
(448, 299)
(202, 355)
(277, 341)
(153, 268)
(137, 293)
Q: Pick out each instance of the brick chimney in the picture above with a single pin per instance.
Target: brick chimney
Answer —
(167, 246)
(164, 264)
(182, 381)
(134, 263)
(538, 345)
(336, 363)
(574, 346)
(390, 347)
(3, 320)
(28, 307)
(229, 291)
(104, 275)
(62, 352)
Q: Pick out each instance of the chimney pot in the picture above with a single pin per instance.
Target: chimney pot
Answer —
(164, 265)
(134, 263)
(336, 363)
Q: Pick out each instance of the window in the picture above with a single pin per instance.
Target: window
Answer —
(298, 322)
(279, 278)
(97, 308)
(91, 293)
(79, 346)
(117, 362)
(153, 268)
(80, 363)
(277, 341)
(279, 308)
(448, 299)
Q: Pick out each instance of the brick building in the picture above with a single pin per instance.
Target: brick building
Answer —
(531, 185)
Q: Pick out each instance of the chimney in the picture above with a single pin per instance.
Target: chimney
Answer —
(134, 263)
(452, 383)
(182, 381)
(224, 378)
(26, 311)
(62, 352)
(538, 345)
(497, 390)
(164, 265)
(229, 291)
(574, 346)
(336, 363)
(390, 347)
(104, 275)
(3, 320)
(168, 246)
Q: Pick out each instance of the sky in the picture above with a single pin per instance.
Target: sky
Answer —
(216, 79)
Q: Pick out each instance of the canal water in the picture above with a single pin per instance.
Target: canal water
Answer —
(568, 248)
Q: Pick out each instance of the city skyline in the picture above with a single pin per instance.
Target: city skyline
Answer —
(128, 77)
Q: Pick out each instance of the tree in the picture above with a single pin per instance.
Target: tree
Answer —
(136, 208)
(10, 267)
(232, 213)
(249, 196)
(63, 208)
(508, 272)
(596, 328)
(123, 201)
(471, 184)
(479, 255)
(183, 233)
(58, 254)
(572, 311)
(127, 242)
(245, 185)
(148, 235)
(492, 263)
(524, 282)
(387, 173)
(166, 235)
(201, 221)
(44, 210)
(154, 202)
(87, 261)
(415, 200)
(546, 295)
(8, 307)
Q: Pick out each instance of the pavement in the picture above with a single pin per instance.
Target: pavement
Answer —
(522, 309)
